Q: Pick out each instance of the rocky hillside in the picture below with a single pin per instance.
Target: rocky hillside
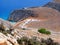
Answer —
(32, 19)
(15, 36)
(50, 18)
(17, 15)
(54, 5)
(47, 18)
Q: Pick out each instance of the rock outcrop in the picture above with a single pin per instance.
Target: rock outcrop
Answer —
(5, 33)
(7, 39)
(17, 15)
(5, 25)
(3, 42)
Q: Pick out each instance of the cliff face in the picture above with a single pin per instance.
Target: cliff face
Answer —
(20, 15)
(53, 5)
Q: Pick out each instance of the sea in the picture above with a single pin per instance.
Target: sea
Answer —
(7, 6)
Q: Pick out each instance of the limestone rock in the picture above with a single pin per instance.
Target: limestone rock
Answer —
(3, 42)
(5, 25)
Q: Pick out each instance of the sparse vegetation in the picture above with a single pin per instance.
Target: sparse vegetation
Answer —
(5, 32)
(34, 41)
(24, 28)
(44, 31)
(2, 30)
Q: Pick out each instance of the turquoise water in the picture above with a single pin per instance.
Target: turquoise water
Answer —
(7, 6)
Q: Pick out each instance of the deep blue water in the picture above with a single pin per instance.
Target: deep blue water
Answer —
(6, 6)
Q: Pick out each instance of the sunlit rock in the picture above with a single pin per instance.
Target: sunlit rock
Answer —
(5, 25)
(3, 41)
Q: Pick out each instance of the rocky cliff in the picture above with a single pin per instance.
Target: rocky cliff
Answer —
(17, 15)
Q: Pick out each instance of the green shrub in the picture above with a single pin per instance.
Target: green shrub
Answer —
(24, 28)
(48, 32)
(44, 31)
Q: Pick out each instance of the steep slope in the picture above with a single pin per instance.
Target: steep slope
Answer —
(17, 15)
(10, 37)
(49, 18)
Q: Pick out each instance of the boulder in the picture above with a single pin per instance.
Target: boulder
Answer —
(3, 42)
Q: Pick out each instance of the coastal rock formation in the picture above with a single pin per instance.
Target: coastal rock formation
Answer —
(53, 5)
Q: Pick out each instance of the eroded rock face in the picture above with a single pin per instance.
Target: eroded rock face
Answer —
(20, 15)
(3, 42)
